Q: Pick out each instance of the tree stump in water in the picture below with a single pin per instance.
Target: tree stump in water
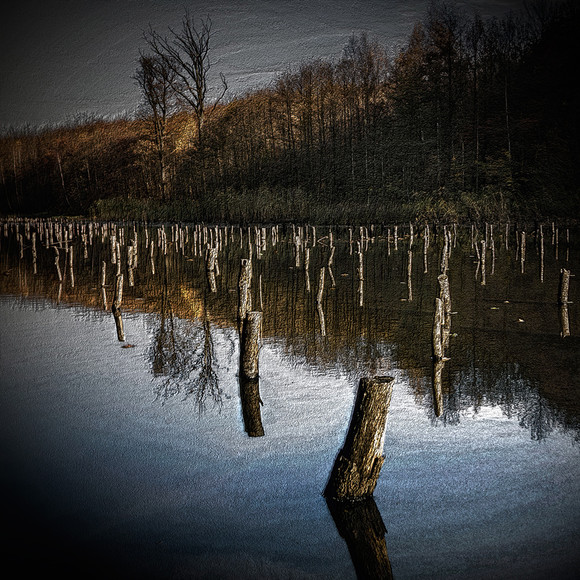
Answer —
(358, 465)
(438, 323)
(244, 294)
(250, 345)
(564, 286)
(118, 296)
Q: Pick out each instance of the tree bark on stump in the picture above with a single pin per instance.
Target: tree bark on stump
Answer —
(250, 345)
(438, 329)
(358, 465)
(118, 296)
(564, 286)
(244, 294)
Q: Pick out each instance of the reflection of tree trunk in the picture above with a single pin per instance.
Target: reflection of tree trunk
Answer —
(358, 465)
(362, 527)
(251, 401)
(56, 263)
(438, 366)
(564, 285)
(564, 320)
(119, 324)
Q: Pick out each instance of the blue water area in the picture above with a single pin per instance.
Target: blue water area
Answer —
(104, 478)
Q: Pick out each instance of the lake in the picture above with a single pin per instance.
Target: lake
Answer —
(133, 448)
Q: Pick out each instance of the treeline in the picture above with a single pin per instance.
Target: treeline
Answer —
(471, 119)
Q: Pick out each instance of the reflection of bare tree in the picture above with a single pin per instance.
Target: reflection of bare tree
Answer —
(183, 352)
(537, 417)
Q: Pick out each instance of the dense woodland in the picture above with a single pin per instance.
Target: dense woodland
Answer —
(472, 119)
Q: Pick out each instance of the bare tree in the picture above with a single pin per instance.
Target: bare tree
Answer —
(156, 78)
(186, 54)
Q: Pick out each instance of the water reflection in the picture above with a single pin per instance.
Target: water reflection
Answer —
(342, 300)
(361, 526)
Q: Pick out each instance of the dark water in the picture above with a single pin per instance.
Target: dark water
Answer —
(125, 438)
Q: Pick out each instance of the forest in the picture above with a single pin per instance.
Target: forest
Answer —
(471, 119)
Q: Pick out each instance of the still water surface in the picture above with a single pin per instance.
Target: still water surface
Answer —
(129, 444)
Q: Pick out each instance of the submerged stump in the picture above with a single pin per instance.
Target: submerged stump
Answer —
(358, 465)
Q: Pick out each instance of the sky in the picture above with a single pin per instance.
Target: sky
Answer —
(64, 58)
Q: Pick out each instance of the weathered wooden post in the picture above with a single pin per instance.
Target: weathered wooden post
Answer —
(445, 295)
(250, 345)
(360, 273)
(438, 365)
(244, 292)
(438, 330)
(34, 269)
(210, 267)
(116, 307)
(564, 286)
(362, 527)
(409, 272)
(118, 296)
(319, 303)
(70, 266)
(57, 264)
(445, 255)
(358, 465)
(307, 268)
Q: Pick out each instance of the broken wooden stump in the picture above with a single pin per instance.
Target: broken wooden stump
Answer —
(438, 322)
(118, 296)
(361, 526)
(211, 267)
(250, 345)
(57, 264)
(244, 293)
(358, 464)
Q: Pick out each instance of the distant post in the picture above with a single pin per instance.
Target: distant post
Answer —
(358, 465)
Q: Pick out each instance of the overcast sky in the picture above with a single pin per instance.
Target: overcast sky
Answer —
(59, 58)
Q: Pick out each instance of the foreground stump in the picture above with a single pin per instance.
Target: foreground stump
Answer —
(358, 465)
